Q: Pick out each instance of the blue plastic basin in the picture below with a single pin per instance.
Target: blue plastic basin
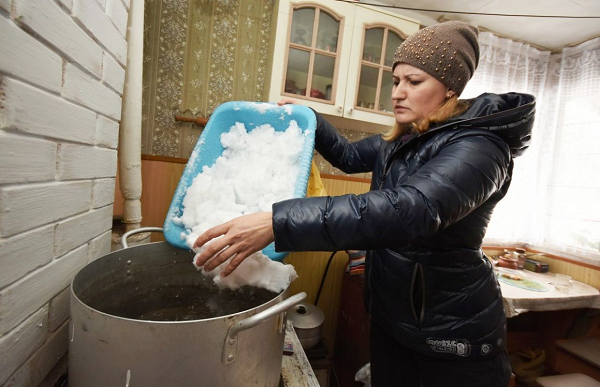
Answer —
(208, 148)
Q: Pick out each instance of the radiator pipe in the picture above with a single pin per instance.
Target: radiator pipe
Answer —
(130, 132)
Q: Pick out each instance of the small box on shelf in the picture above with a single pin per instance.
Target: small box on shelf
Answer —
(535, 266)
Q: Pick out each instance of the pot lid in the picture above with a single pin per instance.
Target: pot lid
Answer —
(306, 316)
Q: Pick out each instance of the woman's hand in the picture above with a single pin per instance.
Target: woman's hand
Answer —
(242, 237)
(286, 101)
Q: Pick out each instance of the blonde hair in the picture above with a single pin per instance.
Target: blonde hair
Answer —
(448, 109)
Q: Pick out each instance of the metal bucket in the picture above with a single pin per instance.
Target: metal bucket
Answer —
(143, 316)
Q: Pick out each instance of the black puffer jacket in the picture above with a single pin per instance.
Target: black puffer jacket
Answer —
(423, 222)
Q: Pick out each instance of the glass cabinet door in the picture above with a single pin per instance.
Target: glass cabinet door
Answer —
(375, 83)
(312, 54)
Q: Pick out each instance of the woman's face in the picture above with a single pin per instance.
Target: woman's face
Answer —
(415, 93)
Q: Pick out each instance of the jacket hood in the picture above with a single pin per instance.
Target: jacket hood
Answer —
(510, 116)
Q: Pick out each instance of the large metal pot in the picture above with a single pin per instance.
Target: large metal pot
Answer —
(143, 316)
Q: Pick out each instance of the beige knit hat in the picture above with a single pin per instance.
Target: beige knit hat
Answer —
(448, 51)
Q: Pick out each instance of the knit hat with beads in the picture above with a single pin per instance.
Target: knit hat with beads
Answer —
(448, 51)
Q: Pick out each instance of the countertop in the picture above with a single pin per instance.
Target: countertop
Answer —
(295, 368)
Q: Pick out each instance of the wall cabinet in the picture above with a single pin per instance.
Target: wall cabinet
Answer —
(337, 57)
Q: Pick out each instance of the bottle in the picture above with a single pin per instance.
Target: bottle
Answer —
(521, 257)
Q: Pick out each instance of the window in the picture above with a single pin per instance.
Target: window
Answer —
(553, 201)
(375, 84)
(312, 54)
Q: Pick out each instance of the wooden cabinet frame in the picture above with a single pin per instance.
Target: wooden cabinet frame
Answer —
(354, 20)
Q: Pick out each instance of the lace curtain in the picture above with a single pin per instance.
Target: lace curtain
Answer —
(552, 203)
(568, 207)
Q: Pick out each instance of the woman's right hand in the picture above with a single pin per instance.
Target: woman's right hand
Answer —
(287, 101)
(239, 238)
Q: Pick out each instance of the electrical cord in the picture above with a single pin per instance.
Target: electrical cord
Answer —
(323, 278)
(335, 376)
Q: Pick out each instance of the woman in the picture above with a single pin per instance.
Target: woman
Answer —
(435, 305)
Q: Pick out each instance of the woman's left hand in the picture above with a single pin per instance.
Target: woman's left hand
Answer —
(287, 101)
(242, 237)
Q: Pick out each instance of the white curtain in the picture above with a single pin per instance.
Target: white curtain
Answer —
(554, 199)
(569, 178)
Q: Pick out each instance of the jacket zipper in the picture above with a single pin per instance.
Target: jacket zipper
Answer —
(369, 286)
(412, 294)
(422, 275)
(418, 271)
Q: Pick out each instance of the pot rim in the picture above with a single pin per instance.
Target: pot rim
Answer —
(254, 310)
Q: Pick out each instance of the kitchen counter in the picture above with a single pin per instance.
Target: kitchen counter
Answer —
(295, 368)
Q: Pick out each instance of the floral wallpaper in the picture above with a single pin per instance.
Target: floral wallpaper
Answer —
(197, 55)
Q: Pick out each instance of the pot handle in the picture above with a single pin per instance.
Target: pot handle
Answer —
(231, 340)
(137, 231)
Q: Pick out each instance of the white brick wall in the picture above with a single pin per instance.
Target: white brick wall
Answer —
(35, 369)
(61, 82)
(26, 158)
(94, 19)
(36, 289)
(48, 20)
(68, 4)
(23, 207)
(82, 88)
(22, 342)
(107, 133)
(5, 4)
(118, 15)
(75, 231)
(99, 246)
(25, 252)
(103, 192)
(101, 3)
(58, 312)
(24, 57)
(52, 117)
(85, 162)
(112, 73)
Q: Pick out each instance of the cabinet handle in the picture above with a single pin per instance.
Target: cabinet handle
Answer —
(350, 110)
(340, 108)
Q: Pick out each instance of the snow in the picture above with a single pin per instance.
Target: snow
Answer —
(257, 168)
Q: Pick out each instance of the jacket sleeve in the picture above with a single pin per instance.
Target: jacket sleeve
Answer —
(349, 157)
(462, 175)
